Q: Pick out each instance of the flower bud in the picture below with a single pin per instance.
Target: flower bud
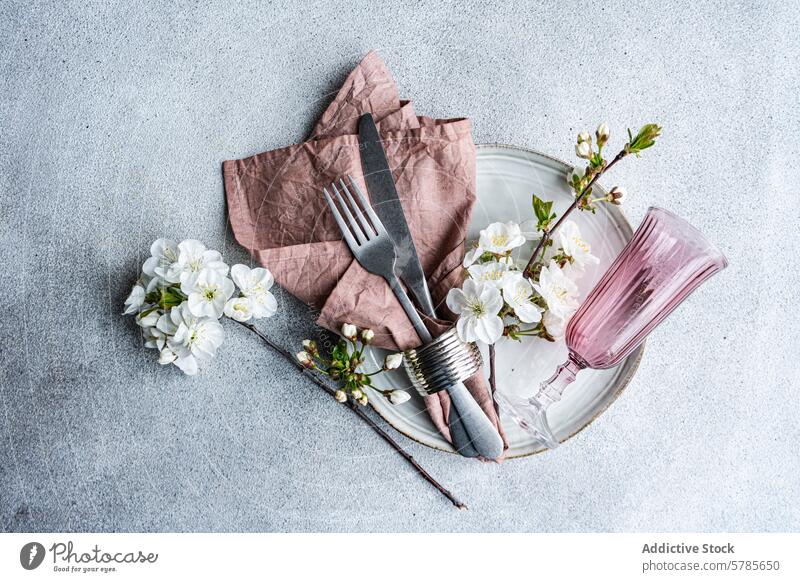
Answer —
(584, 137)
(149, 320)
(392, 361)
(305, 359)
(602, 134)
(340, 396)
(363, 401)
(616, 195)
(349, 331)
(367, 336)
(398, 396)
(356, 393)
(167, 356)
(575, 175)
(583, 150)
(310, 346)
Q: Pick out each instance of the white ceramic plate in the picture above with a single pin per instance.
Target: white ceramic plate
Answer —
(507, 176)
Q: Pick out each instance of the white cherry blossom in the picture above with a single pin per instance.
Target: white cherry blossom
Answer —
(501, 237)
(196, 339)
(575, 174)
(477, 305)
(517, 292)
(239, 308)
(574, 245)
(558, 290)
(256, 284)
(193, 257)
(163, 255)
(493, 272)
(207, 293)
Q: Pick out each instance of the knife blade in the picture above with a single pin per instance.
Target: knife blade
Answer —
(386, 203)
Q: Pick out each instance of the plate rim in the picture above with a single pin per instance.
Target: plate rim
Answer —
(625, 381)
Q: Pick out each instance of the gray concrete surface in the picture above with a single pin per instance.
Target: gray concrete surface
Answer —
(114, 119)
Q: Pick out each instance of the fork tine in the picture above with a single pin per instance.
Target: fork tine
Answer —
(354, 228)
(340, 221)
(368, 228)
(376, 222)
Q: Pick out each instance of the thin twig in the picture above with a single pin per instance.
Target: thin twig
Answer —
(493, 378)
(528, 271)
(357, 409)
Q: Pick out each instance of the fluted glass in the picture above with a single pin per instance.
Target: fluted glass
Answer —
(665, 261)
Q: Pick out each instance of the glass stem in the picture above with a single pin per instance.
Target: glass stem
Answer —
(553, 388)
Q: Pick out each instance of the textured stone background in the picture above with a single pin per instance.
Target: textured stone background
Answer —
(114, 119)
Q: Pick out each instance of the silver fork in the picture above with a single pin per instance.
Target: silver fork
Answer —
(374, 249)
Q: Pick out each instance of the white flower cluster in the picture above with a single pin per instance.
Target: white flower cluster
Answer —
(496, 296)
(184, 290)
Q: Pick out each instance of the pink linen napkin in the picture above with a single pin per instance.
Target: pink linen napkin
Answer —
(278, 213)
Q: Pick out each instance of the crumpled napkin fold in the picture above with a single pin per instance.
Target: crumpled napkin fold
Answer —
(278, 213)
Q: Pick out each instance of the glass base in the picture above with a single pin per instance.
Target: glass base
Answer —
(530, 415)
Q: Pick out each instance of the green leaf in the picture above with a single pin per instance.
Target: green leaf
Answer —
(339, 353)
(543, 212)
(644, 139)
(170, 297)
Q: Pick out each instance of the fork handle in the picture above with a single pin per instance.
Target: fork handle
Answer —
(411, 311)
(482, 436)
(458, 432)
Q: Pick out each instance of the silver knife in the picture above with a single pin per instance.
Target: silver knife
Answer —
(386, 203)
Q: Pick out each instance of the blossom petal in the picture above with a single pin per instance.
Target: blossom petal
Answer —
(456, 301)
(264, 305)
(489, 328)
(465, 327)
(188, 364)
(492, 301)
(241, 276)
(554, 325)
(528, 312)
(197, 304)
(190, 248)
(472, 256)
(263, 277)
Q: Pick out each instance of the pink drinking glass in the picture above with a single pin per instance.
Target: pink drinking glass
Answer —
(665, 261)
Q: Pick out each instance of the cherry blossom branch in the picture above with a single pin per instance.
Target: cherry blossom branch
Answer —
(357, 409)
(546, 235)
(645, 138)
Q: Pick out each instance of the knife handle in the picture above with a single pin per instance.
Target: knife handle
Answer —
(483, 435)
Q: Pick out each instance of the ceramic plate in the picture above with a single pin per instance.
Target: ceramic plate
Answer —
(507, 176)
